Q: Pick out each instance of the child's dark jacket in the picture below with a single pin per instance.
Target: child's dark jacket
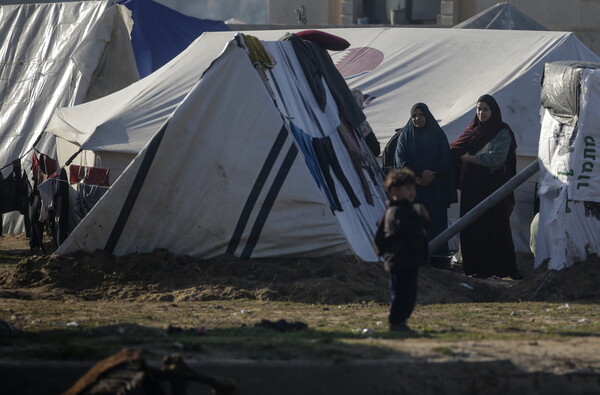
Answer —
(400, 237)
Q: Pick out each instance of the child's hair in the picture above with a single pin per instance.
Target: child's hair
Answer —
(398, 177)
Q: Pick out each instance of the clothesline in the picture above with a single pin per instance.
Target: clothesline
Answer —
(20, 158)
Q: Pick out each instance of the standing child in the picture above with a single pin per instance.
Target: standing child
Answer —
(401, 241)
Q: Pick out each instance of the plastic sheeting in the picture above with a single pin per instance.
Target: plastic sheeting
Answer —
(160, 33)
(256, 198)
(55, 55)
(501, 16)
(561, 89)
(569, 231)
(569, 222)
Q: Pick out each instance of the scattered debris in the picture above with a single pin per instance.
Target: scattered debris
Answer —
(128, 372)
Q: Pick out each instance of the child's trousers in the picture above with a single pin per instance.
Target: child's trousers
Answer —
(403, 295)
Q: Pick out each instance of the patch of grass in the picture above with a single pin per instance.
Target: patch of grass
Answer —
(227, 328)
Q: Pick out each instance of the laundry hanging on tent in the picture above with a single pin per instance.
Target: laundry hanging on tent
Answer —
(342, 95)
(42, 168)
(310, 66)
(305, 142)
(257, 52)
(327, 158)
(36, 233)
(56, 200)
(14, 193)
(13, 190)
(47, 190)
(87, 197)
(360, 160)
(89, 175)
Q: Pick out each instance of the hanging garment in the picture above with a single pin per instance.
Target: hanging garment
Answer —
(12, 190)
(87, 197)
(36, 232)
(14, 193)
(310, 65)
(61, 206)
(359, 160)
(89, 175)
(327, 158)
(42, 168)
(347, 106)
(306, 146)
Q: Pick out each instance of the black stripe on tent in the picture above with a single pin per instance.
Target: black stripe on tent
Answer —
(134, 191)
(269, 201)
(256, 189)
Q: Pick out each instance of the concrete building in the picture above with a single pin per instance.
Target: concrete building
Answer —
(579, 16)
(349, 12)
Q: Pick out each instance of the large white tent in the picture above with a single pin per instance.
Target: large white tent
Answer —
(449, 69)
(112, 130)
(223, 168)
(396, 67)
(55, 55)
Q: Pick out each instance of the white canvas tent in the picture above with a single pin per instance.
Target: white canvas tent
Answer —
(397, 67)
(55, 55)
(569, 221)
(225, 174)
(113, 130)
(449, 69)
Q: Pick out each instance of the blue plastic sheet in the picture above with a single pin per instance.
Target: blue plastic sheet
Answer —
(161, 33)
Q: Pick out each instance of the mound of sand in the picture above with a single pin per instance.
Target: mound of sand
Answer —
(162, 276)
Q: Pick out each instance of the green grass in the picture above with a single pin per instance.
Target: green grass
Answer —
(338, 333)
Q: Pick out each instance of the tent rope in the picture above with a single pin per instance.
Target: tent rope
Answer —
(541, 285)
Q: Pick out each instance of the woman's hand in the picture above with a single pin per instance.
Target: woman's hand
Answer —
(427, 177)
(466, 158)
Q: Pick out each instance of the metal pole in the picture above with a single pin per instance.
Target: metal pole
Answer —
(484, 206)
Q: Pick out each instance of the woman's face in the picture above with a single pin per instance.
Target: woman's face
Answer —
(418, 118)
(483, 111)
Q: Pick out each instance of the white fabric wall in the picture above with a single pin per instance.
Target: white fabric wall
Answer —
(569, 223)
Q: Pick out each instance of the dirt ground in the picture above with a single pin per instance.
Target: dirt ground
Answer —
(163, 277)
